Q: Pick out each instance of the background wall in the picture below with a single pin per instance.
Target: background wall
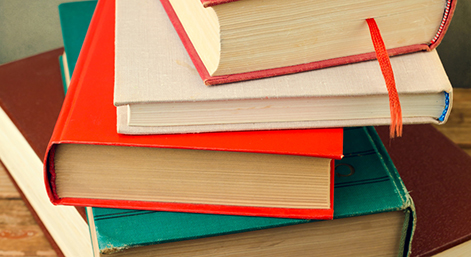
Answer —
(455, 49)
(29, 27)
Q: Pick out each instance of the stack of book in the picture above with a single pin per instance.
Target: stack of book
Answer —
(273, 161)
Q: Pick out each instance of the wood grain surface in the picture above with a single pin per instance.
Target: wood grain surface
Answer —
(19, 233)
(21, 236)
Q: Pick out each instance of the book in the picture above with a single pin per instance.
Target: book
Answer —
(74, 20)
(31, 96)
(373, 214)
(157, 88)
(64, 71)
(238, 40)
(21, 221)
(436, 173)
(263, 173)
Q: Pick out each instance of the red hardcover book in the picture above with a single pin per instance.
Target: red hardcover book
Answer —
(436, 173)
(399, 48)
(88, 117)
(31, 95)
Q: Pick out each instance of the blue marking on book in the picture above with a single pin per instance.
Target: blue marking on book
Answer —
(447, 105)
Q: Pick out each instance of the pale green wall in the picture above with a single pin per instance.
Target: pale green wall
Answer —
(455, 49)
(28, 27)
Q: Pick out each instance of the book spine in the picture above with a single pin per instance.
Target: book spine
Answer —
(49, 173)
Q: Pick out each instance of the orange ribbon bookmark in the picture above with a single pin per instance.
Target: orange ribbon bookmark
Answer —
(395, 128)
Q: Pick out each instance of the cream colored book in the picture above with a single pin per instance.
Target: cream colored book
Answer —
(158, 90)
(238, 40)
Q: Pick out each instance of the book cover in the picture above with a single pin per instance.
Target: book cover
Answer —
(156, 59)
(448, 10)
(31, 96)
(74, 20)
(436, 173)
(366, 184)
(88, 116)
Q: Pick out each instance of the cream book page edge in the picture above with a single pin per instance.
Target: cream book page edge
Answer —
(123, 127)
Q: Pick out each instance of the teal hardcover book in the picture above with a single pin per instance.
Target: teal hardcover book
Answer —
(74, 18)
(373, 216)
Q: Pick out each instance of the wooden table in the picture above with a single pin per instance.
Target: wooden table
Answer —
(21, 236)
(19, 233)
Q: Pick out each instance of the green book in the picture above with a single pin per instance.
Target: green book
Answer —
(74, 19)
(373, 215)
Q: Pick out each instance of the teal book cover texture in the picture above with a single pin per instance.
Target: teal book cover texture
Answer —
(74, 18)
(366, 183)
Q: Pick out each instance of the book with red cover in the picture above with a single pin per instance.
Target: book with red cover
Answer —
(31, 96)
(436, 173)
(213, 80)
(88, 116)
